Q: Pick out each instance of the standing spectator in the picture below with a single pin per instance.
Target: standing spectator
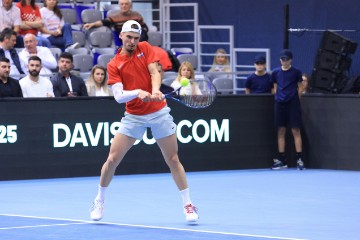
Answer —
(260, 81)
(31, 20)
(34, 85)
(44, 53)
(9, 87)
(118, 19)
(55, 29)
(10, 18)
(287, 108)
(221, 64)
(96, 84)
(7, 43)
(66, 84)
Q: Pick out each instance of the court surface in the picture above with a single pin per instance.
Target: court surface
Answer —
(240, 205)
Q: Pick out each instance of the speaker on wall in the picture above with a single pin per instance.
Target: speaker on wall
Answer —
(324, 80)
(336, 43)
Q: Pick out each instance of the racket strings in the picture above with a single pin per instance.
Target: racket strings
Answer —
(200, 101)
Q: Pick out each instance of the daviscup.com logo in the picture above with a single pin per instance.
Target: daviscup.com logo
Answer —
(101, 134)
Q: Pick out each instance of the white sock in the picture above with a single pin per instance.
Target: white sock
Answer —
(185, 196)
(101, 193)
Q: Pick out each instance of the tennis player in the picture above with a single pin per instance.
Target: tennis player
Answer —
(136, 81)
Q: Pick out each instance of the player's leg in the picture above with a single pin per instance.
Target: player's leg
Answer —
(169, 149)
(119, 147)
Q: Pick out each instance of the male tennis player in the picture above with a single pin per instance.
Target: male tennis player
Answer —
(136, 82)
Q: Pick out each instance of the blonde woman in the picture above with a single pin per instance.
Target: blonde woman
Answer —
(186, 70)
(96, 84)
(221, 63)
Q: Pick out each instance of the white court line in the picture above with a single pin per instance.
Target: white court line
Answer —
(47, 225)
(142, 226)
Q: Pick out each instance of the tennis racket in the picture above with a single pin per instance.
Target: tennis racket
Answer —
(198, 94)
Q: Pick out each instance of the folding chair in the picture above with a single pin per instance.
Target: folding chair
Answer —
(224, 85)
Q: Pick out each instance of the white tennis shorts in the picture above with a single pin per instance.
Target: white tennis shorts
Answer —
(161, 124)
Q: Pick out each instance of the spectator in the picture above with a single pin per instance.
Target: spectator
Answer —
(44, 53)
(118, 19)
(9, 87)
(34, 85)
(31, 21)
(287, 108)
(186, 70)
(7, 43)
(66, 84)
(55, 29)
(96, 84)
(260, 81)
(10, 18)
(304, 86)
(221, 64)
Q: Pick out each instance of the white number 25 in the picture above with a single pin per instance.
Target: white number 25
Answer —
(8, 134)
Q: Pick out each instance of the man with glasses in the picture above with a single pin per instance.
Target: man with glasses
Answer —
(287, 108)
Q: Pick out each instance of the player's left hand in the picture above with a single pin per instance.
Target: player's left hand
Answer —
(156, 96)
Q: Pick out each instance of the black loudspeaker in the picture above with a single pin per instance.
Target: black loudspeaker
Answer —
(324, 80)
(331, 61)
(336, 43)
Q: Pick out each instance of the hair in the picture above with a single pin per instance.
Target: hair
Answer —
(34, 58)
(221, 51)
(4, 59)
(190, 67)
(56, 9)
(32, 3)
(90, 82)
(7, 33)
(67, 55)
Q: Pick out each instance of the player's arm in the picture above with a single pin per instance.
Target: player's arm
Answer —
(247, 91)
(155, 82)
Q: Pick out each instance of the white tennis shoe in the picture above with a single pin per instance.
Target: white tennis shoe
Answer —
(191, 214)
(97, 209)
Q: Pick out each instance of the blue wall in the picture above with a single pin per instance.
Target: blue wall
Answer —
(260, 24)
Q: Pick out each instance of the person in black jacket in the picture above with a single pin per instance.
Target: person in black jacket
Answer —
(66, 84)
(9, 87)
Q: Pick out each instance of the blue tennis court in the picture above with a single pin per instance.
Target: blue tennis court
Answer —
(243, 204)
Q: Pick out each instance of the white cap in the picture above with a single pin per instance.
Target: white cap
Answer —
(128, 27)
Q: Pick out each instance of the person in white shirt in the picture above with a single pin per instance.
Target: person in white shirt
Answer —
(44, 53)
(186, 70)
(55, 29)
(96, 84)
(34, 85)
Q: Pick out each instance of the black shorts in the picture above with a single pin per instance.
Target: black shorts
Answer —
(288, 114)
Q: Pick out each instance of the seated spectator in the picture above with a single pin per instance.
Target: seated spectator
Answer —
(259, 82)
(10, 18)
(44, 53)
(55, 29)
(118, 19)
(34, 85)
(186, 70)
(304, 85)
(221, 63)
(96, 84)
(66, 84)
(31, 21)
(7, 43)
(9, 87)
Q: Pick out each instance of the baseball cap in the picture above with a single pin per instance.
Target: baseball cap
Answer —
(286, 53)
(259, 59)
(129, 27)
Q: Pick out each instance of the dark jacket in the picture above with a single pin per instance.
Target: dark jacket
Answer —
(10, 89)
(61, 88)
